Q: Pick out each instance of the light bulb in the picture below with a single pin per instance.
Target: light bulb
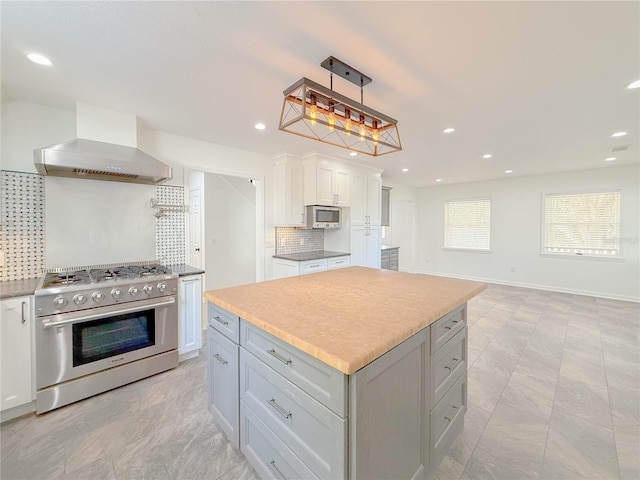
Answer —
(331, 121)
(348, 126)
(362, 132)
(375, 135)
(313, 114)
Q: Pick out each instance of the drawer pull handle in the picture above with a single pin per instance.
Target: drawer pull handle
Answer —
(277, 356)
(223, 322)
(279, 409)
(449, 327)
(220, 359)
(451, 414)
(276, 471)
(455, 360)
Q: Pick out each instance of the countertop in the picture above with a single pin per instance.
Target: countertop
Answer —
(18, 288)
(386, 247)
(184, 269)
(347, 317)
(315, 255)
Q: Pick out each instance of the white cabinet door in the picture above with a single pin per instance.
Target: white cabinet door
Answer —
(288, 193)
(365, 246)
(325, 193)
(326, 183)
(15, 352)
(374, 199)
(190, 301)
(365, 198)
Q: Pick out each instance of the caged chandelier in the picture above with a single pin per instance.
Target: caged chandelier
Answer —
(319, 113)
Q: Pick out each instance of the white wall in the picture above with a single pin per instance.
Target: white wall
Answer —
(230, 231)
(27, 126)
(516, 235)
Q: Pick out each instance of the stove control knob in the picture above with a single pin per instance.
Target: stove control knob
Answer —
(116, 293)
(79, 299)
(60, 302)
(134, 291)
(162, 287)
(97, 297)
(148, 289)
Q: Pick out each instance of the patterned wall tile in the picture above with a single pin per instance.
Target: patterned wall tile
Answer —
(288, 240)
(171, 226)
(22, 225)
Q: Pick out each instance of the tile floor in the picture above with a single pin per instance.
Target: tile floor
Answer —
(553, 393)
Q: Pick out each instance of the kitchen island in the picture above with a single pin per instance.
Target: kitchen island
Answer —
(352, 373)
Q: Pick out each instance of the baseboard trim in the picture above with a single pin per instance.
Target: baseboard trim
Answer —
(547, 288)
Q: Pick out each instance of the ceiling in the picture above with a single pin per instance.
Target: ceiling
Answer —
(539, 85)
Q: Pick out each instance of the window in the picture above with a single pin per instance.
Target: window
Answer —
(467, 224)
(582, 224)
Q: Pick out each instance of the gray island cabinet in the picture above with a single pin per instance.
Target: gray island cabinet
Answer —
(383, 400)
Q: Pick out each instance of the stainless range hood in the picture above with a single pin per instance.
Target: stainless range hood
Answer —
(94, 160)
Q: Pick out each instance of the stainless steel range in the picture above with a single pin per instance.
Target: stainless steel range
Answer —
(101, 327)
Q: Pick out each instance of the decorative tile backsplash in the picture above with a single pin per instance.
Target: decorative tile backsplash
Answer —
(22, 225)
(298, 240)
(170, 226)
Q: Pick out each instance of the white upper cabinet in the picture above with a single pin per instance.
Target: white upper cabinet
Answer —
(288, 192)
(326, 182)
(366, 191)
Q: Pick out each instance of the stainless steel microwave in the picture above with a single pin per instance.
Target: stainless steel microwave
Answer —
(323, 217)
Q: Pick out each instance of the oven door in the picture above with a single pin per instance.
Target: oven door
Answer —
(72, 345)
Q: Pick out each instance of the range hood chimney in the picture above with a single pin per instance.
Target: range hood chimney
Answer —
(106, 149)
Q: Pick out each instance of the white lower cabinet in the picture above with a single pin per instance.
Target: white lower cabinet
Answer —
(16, 385)
(190, 316)
(365, 246)
(283, 268)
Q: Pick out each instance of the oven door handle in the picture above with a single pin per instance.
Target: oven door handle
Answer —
(48, 322)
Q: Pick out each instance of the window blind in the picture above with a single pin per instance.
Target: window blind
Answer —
(467, 224)
(582, 224)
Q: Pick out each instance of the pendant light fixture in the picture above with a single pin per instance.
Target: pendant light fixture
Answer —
(313, 111)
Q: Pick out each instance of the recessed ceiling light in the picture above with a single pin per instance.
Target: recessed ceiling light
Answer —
(260, 126)
(508, 171)
(635, 84)
(619, 134)
(354, 154)
(438, 179)
(449, 130)
(610, 159)
(405, 170)
(487, 155)
(39, 59)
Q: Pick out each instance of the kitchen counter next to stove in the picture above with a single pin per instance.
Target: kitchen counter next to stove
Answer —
(183, 270)
(315, 255)
(18, 288)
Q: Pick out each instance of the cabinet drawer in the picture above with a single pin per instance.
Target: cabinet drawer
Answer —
(339, 262)
(393, 254)
(443, 329)
(223, 384)
(313, 266)
(324, 383)
(315, 434)
(384, 263)
(447, 420)
(447, 365)
(267, 453)
(225, 322)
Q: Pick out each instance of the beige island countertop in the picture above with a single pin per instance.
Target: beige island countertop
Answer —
(347, 317)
